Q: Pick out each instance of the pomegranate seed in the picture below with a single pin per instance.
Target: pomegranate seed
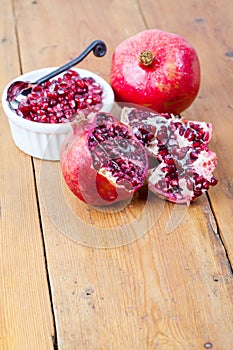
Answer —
(205, 185)
(198, 187)
(190, 184)
(187, 132)
(88, 101)
(72, 103)
(197, 193)
(161, 135)
(181, 131)
(163, 152)
(199, 179)
(96, 99)
(200, 134)
(213, 181)
(43, 119)
(174, 182)
(25, 108)
(191, 136)
(196, 144)
(193, 155)
(189, 172)
(82, 105)
(206, 136)
(50, 101)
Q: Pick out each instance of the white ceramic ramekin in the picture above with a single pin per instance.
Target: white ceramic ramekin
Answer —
(43, 140)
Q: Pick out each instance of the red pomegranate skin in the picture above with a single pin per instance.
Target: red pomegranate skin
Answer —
(88, 184)
(83, 180)
(169, 84)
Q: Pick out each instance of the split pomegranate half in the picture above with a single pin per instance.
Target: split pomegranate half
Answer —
(103, 162)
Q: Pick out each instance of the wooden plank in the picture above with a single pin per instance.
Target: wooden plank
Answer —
(208, 26)
(70, 27)
(164, 291)
(26, 320)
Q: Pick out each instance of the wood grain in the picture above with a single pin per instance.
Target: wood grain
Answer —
(26, 320)
(209, 27)
(172, 288)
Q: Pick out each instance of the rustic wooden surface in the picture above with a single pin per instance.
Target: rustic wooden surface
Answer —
(170, 289)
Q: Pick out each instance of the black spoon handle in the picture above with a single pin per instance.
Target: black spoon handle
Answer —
(99, 49)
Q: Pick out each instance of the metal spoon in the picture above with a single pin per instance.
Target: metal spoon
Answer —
(18, 90)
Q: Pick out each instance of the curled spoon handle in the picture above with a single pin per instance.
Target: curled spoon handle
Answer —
(99, 49)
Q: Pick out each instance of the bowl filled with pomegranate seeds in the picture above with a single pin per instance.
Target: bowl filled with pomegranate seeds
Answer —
(43, 118)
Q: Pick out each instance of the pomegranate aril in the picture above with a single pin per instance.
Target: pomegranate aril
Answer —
(174, 182)
(88, 100)
(198, 186)
(88, 81)
(99, 138)
(35, 109)
(213, 181)
(181, 131)
(80, 83)
(204, 147)
(190, 184)
(53, 119)
(197, 193)
(37, 88)
(25, 108)
(198, 179)
(161, 135)
(189, 172)
(187, 132)
(194, 125)
(196, 144)
(200, 134)
(205, 185)
(61, 94)
(52, 95)
(163, 151)
(96, 99)
(72, 103)
(41, 112)
(43, 119)
(193, 155)
(191, 136)
(206, 136)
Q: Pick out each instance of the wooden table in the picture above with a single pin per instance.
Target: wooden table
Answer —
(171, 288)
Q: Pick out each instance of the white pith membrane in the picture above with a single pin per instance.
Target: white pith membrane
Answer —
(192, 172)
(205, 164)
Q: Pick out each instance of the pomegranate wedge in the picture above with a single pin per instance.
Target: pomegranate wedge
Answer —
(185, 163)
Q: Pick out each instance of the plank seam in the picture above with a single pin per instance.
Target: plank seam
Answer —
(218, 234)
(17, 37)
(142, 14)
(54, 336)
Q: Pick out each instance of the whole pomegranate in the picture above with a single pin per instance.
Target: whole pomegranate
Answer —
(185, 165)
(156, 69)
(102, 161)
